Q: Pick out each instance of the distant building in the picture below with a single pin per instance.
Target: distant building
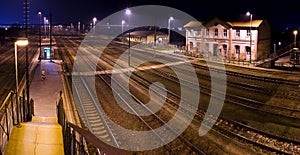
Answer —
(148, 37)
(229, 39)
(47, 49)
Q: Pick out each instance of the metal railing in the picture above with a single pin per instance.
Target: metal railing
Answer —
(13, 113)
(80, 141)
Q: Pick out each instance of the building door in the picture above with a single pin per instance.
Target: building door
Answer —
(237, 52)
(215, 50)
(247, 53)
(225, 50)
(191, 46)
(47, 52)
(198, 46)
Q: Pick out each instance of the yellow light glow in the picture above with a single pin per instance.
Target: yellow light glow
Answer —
(22, 42)
(295, 32)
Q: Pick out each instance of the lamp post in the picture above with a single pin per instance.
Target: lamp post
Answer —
(123, 22)
(21, 42)
(250, 15)
(295, 32)
(48, 28)
(94, 23)
(128, 13)
(169, 27)
(40, 37)
(45, 26)
(78, 28)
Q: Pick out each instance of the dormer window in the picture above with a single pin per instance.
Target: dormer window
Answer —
(237, 33)
(225, 33)
(248, 33)
(216, 32)
(207, 32)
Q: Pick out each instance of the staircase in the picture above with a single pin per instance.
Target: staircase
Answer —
(41, 136)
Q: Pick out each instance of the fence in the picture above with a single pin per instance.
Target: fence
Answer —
(13, 113)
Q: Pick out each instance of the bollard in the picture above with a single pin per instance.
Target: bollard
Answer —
(17, 108)
(31, 107)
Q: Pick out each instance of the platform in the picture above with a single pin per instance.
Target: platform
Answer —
(43, 135)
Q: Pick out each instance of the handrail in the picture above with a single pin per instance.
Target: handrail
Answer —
(6, 99)
(72, 132)
(96, 142)
(12, 113)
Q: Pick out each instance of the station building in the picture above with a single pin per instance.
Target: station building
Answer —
(148, 37)
(229, 40)
(47, 48)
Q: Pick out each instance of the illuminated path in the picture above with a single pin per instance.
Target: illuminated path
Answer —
(43, 135)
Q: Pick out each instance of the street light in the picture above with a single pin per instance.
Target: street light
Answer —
(250, 15)
(45, 26)
(123, 22)
(94, 22)
(21, 42)
(169, 27)
(40, 31)
(128, 13)
(295, 33)
(48, 26)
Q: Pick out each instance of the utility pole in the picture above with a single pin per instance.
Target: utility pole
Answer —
(40, 35)
(50, 31)
(26, 63)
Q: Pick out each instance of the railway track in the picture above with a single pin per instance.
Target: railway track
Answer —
(8, 70)
(160, 120)
(251, 76)
(290, 113)
(250, 135)
(94, 118)
(84, 101)
(245, 133)
(255, 136)
(246, 102)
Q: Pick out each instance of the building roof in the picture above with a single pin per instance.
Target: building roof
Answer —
(193, 24)
(215, 21)
(255, 23)
(145, 33)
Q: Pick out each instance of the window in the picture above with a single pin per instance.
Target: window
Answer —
(248, 50)
(199, 33)
(225, 33)
(191, 45)
(206, 47)
(237, 49)
(225, 50)
(192, 32)
(237, 33)
(207, 32)
(160, 40)
(248, 33)
(198, 45)
(216, 32)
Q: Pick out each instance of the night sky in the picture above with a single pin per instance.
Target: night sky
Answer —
(285, 14)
